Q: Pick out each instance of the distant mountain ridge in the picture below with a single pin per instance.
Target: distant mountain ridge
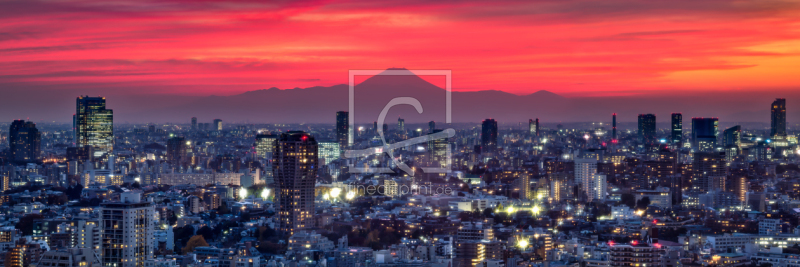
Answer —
(318, 105)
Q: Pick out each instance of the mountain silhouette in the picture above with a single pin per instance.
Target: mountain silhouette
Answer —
(319, 105)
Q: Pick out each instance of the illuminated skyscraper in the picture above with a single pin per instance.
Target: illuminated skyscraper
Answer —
(647, 129)
(489, 136)
(94, 125)
(533, 127)
(328, 152)
(264, 145)
(295, 171)
(732, 136)
(401, 125)
(677, 129)
(778, 123)
(217, 125)
(342, 130)
(194, 123)
(438, 149)
(704, 134)
(24, 142)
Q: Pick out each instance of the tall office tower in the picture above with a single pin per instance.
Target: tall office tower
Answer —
(704, 134)
(94, 125)
(647, 129)
(531, 127)
(127, 230)
(385, 128)
(585, 172)
(489, 135)
(677, 129)
(264, 145)
(614, 127)
(24, 141)
(177, 151)
(732, 136)
(295, 171)
(375, 126)
(217, 125)
(438, 149)
(431, 126)
(401, 125)
(709, 171)
(778, 123)
(328, 152)
(194, 123)
(537, 127)
(342, 130)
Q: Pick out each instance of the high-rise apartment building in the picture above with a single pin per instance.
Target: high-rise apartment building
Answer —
(647, 129)
(591, 183)
(489, 135)
(177, 148)
(127, 231)
(778, 122)
(704, 134)
(676, 137)
(709, 172)
(24, 142)
(343, 130)
(194, 123)
(295, 171)
(94, 125)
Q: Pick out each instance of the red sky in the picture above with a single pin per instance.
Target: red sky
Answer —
(573, 48)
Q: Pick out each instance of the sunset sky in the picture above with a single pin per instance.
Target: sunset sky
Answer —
(573, 48)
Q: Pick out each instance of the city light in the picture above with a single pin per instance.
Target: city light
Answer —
(350, 195)
(265, 193)
(335, 192)
(242, 193)
(510, 210)
(522, 244)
